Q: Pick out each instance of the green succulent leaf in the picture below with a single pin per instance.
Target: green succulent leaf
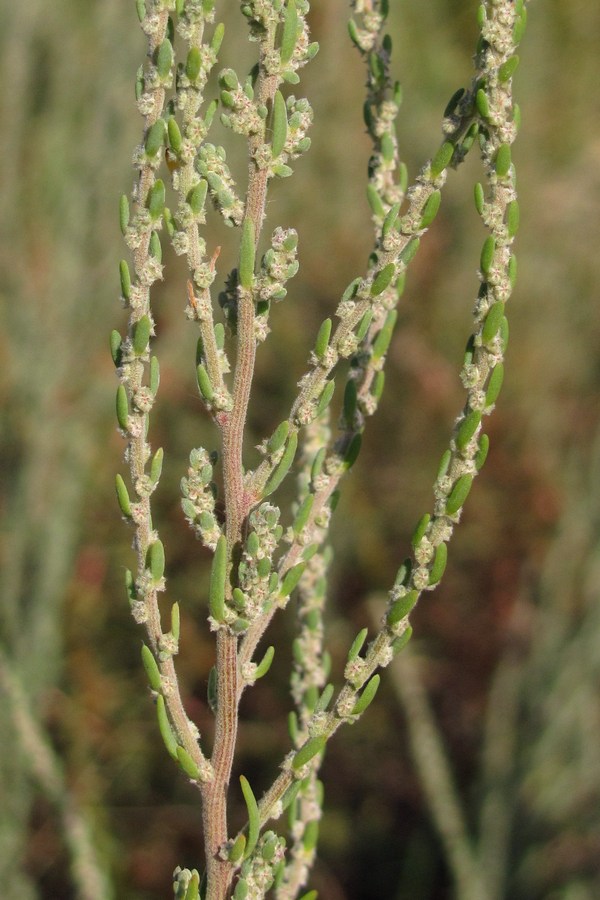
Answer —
(253, 816)
(507, 69)
(237, 849)
(493, 321)
(152, 670)
(125, 279)
(439, 564)
(291, 579)
(156, 560)
(357, 644)
(290, 32)
(494, 384)
(123, 496)
(193, 64)
(458, 494)
(383, 279)
(283, 466)
(430, 209)
(401, 608)
(123, 213)
(247, 254)
(115, 347)
(155, 138)
(280, 124)
(467, 429)
(165, 729)
(265, 664)
(310, 749)
(218, 578)
(322, 342)
(187, 764)
(367, 696)
(279, 437)
(442, 159)
(122, 407)
(141, 335)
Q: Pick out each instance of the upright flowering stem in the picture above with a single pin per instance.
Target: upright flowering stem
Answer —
(253, 575)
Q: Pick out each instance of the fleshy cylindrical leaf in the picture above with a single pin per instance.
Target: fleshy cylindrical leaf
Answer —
(442, 159)
(493, 320)
(382, 341)
(482, 103)
(357, 644)
(503, 160)
(197, 196)
(494, 384)
(467, 428)
(279, 124)
(401, 608)
(290, 32)
(152, 670)
(164, 59)
(123, 496)
(193, 63)
(156, 466)
(291, 579)
(512, 218)
(367, 696)
(481, 455)
(283, 466)
(325, 398)
(247, 252)
(155, 138)
(383, 279)
(122, 407)
(253, 816)
(458, 494)
(125, 279)
(310, 749)
(165, 727)
(279, 437)
(156, 560)
(123, 213)
(115, 347)
(156, 199)
(507, 69)
(302, 516)
(141, 335)
(430, 209)
(265, 664)
(419, 532)
(218, 577)
(187, 764)
(204, 384)
(237, 849)
(487, 254)
(479, 197)
(439, 564)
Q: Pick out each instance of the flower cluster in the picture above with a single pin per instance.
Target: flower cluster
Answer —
(199, 494)
(256, 580)
(260, 871)
(211, 164)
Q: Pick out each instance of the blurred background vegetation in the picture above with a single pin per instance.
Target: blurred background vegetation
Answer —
(508, 648)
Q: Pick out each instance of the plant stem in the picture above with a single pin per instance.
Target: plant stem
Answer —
(237, 504)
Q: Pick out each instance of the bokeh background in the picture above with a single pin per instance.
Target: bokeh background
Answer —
(507, 650)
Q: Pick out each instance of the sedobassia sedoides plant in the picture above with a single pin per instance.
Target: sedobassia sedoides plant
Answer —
(261, 558)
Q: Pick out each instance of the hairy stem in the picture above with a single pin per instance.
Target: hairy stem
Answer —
(237, 505)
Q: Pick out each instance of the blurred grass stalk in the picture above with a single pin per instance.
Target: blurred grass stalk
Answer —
(54, 153)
